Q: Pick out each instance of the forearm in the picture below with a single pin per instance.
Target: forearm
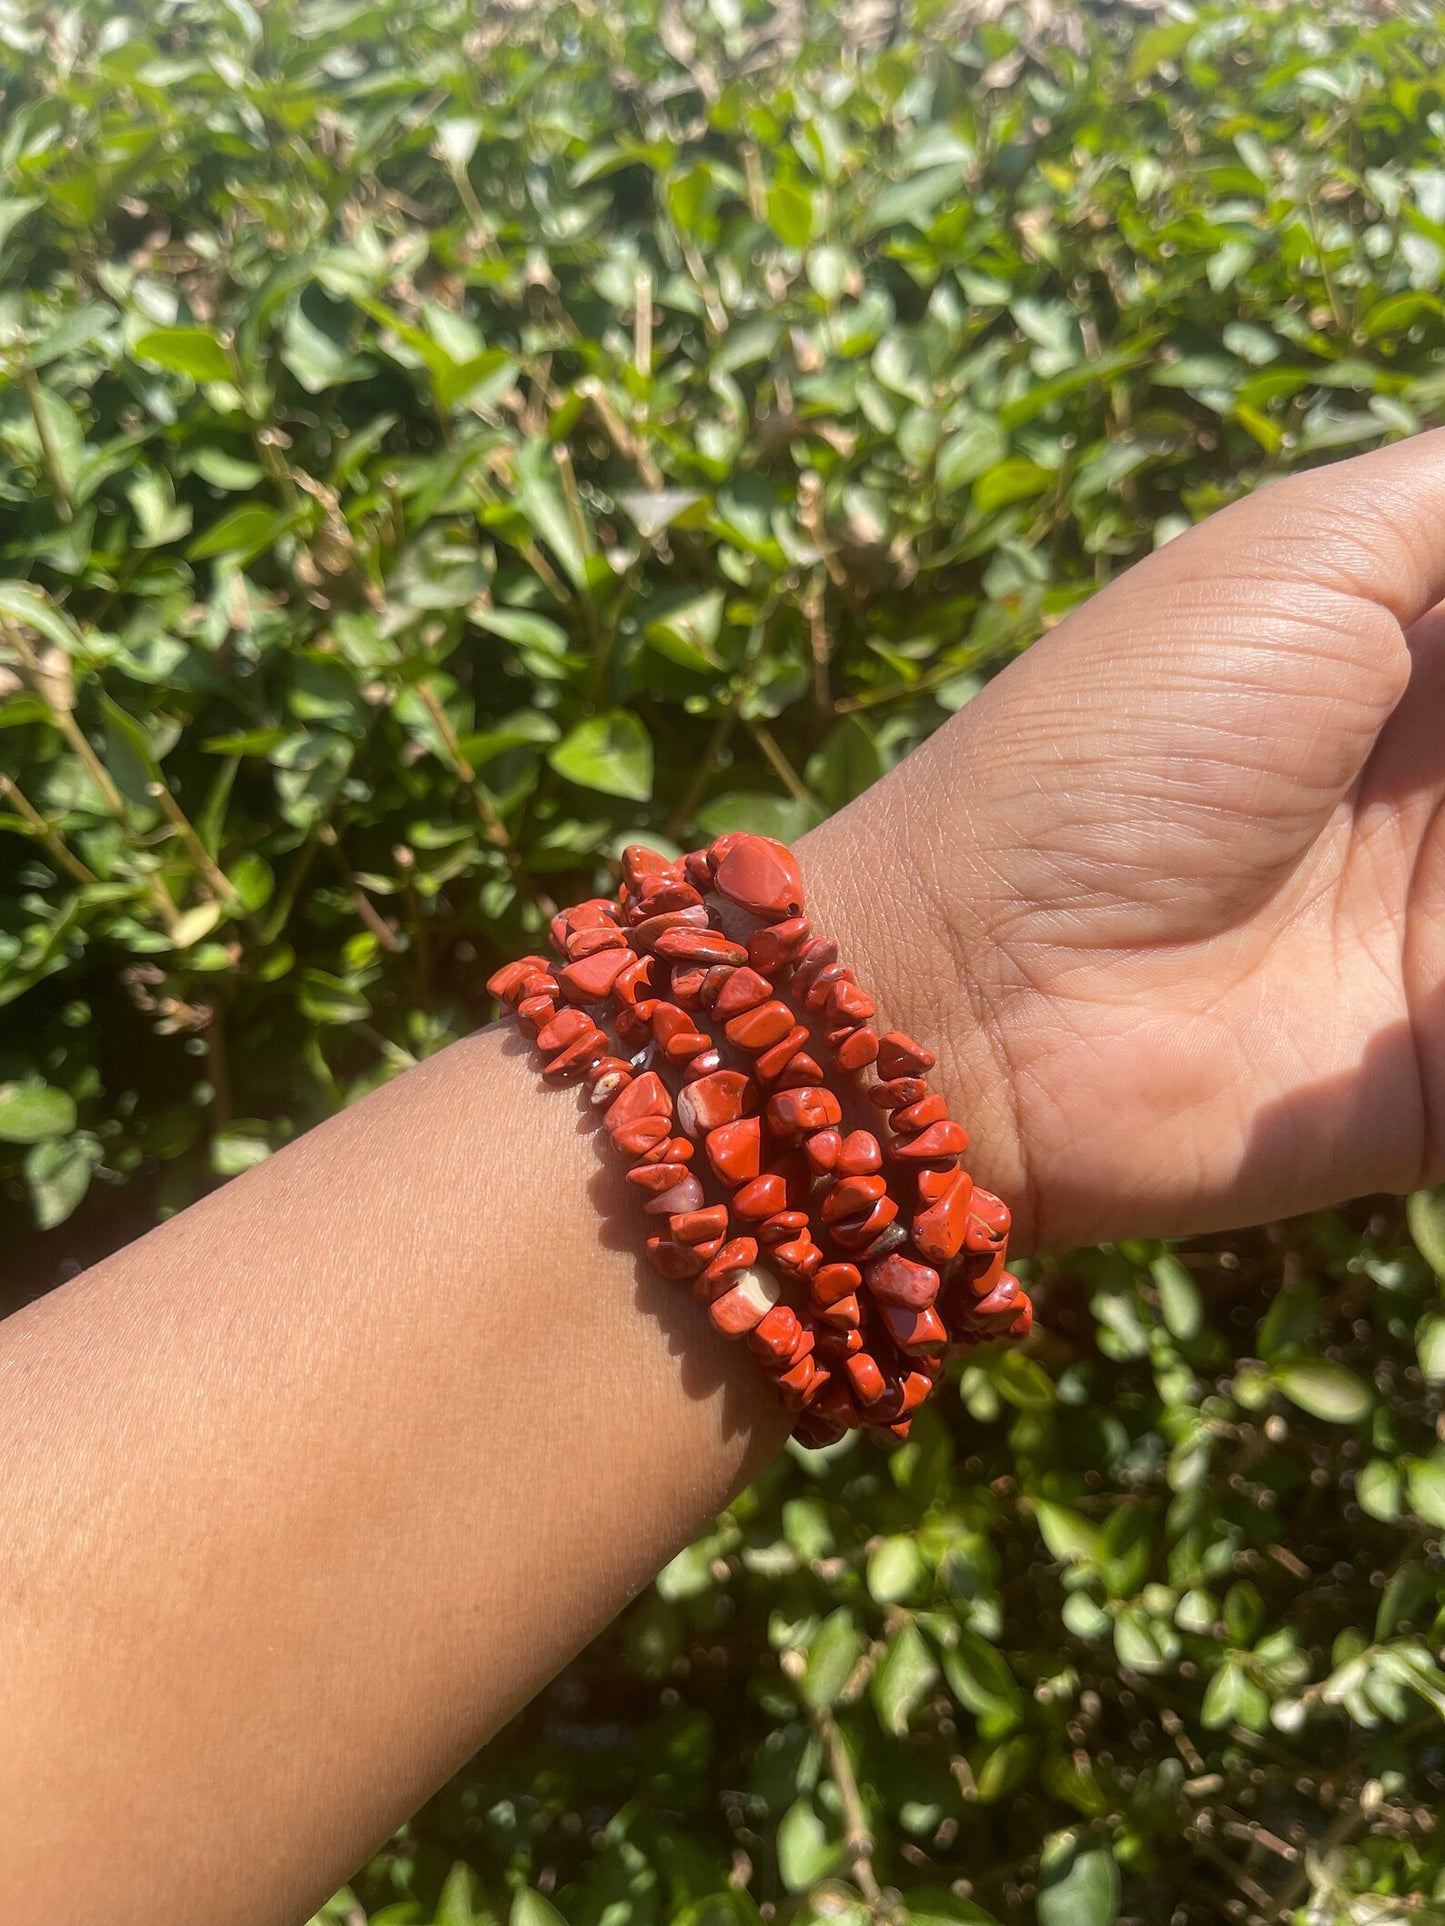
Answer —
(311, 1488)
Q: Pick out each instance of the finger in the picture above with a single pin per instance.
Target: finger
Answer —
(1173, 749)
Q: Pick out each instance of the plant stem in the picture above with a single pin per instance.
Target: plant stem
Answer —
(857, 1834)
(44, 833)
(30, 381)
(65, 722)
(494, 828)
(214, 878)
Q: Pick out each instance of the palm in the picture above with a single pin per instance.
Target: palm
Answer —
(1188, 862)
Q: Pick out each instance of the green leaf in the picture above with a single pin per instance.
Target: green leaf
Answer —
(805, 1849)
(611, 753)
(1425, 1489)
(1430, 1347)
(1325, 1390)
(32, 1111)
(1086, 1893)
(57, 1175)
(1425, 1213)
(896, 1570)
(1179, 1298)
(790, 213)
(834, 1650)
(1071, 1539)
(196, 352)
(243, 532)
(979, 1678)
(529, 1908)
(902, 1679)
(1015, 479)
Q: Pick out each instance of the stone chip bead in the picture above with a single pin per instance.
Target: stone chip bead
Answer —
(760, 876)
(879, 1254)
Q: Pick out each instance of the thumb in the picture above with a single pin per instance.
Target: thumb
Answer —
(1170, 752)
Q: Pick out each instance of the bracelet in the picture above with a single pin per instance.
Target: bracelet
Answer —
(853, 1261)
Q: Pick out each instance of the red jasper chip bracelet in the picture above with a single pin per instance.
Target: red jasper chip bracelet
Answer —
(828, 1221)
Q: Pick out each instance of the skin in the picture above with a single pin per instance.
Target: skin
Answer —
(310, 1489)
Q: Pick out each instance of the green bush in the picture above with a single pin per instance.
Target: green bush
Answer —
(437, 445)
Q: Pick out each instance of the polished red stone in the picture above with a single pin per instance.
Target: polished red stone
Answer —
(657, 1178)
(843, 1314)
(934, 1184)
(860, 1154)
(635, 983)
(699, 1226)
(512, 975)
(676, 1033)
(900, 1056)
(939, 1230)
(645, 1096)
(1003, 1297)
(717, 975)
(857, 1049)
(674, 1260)
(1024, 1320)
(587, 942)
(702, 1065)
(898, 1280)
(639, 862)
(897, 1092)
(646, 933)
(783, 1226)
(661, 895)
(735, 1150)
(802, 1072)
(857, 1234)
(534, 1013)
(591, 978)
(914, 1331)
(773, 947)
(798, 1257)
(823, 1150)
(669, 1150)
(833, 1281)
(736, 1256)
(685, 1195)
(776, 1332)
(602, 1090)
(989, 1221)
(763, 1197)
(821, 986)
(778, 1056)
(756, 1029)
(699, 946)
(697, 869)
(847, 1003)
(686, 983)
(851, 1196)
(744, 990)
(794, 1112)
(983, 1269)
(634, 1138)
(574, 1060)
(760, 876)
(918, 1116)
(866, 1379)
(936, 1144)
(801, 1383)
(744, 1307)
(564, 1028)
(720, 1098)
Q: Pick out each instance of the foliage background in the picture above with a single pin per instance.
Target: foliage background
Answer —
(438, 444)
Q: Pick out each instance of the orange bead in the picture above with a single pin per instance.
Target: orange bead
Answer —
(900, 1056)
(735, 1150)
(939, 1230)
(760, 876)
(898, 1280)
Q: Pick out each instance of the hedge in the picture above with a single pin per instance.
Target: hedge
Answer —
(439, 444)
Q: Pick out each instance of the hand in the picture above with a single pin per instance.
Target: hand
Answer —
(1168, 897)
